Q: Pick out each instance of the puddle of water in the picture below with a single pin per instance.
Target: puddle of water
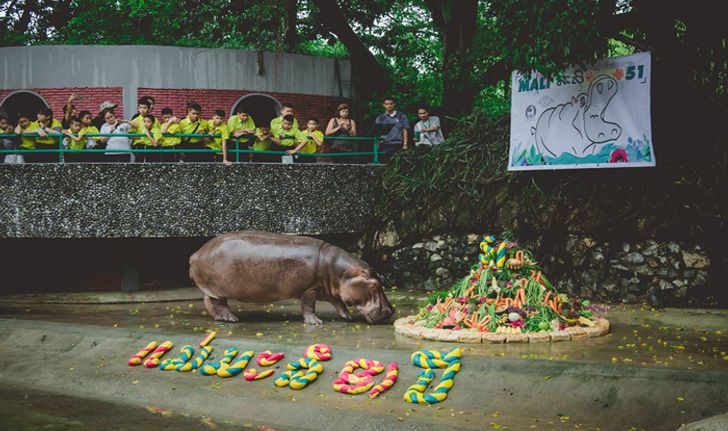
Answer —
(638, 337)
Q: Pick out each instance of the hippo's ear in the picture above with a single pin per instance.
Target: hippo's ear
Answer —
(356, 271)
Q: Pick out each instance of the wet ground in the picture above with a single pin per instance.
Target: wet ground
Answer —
(672, 361)
(639, 336)
(23, 409)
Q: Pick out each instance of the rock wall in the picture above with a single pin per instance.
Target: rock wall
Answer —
(658, 273)
(183, 200)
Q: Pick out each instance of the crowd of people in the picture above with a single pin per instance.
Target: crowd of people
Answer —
(210, 140)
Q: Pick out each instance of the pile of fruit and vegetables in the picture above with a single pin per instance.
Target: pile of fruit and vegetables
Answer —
(505, 292)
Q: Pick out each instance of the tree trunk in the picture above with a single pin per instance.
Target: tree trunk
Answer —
(21, 26)
(456, 21)
(291, 19)
(372, 77)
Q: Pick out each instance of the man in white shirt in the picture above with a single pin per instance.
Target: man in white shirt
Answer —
(428, 130)
(114, 125)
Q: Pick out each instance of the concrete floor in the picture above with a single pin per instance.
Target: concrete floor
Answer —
(656, 370)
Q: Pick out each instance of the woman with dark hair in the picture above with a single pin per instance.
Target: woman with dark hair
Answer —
(341, 125)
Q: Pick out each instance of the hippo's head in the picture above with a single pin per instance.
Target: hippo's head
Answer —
(360, 288)
(597, 128)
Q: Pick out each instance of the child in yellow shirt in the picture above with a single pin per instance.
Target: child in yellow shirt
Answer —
(309, 141)
(217, 126)
(74, 140)
(43, 126)
(170, 125)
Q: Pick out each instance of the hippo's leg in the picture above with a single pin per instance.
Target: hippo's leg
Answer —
(340, 308)
(308, 308)
(219, 309)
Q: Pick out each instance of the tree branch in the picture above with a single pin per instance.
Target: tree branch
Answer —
(373, 75)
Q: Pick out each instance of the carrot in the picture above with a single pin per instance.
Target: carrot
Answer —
(521, 294)
(489, 300)
(553, 306)
(546, 299)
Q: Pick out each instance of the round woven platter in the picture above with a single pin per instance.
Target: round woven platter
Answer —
(406, 326)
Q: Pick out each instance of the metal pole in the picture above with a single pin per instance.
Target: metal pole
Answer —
(376, 150)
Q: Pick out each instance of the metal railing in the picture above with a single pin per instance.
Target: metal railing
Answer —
(375, 153)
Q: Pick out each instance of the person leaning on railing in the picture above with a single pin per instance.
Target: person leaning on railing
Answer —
(263, 142)
(193, 125)
(87, 128)
(152, 135)
(241, 126)
(8, 143)
(144, 108)
(286, 136)
(75, 139)
(309, 141)
(44, 125)
(217, 126)
(170, 125)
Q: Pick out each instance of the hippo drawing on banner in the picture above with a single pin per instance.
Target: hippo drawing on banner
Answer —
(577, 126)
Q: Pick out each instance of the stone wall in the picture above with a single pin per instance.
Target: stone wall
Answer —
(183, 199)
(658, 273)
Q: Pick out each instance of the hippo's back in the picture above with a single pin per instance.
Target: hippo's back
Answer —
(256, 266)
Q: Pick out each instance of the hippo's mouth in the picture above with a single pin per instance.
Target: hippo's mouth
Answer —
(377, 316)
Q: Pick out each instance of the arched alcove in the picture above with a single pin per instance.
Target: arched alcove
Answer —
(22, 102)
(261, 107)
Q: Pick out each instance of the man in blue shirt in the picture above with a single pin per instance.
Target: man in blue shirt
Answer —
(397, 136)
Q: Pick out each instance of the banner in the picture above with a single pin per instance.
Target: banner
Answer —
(594, 117)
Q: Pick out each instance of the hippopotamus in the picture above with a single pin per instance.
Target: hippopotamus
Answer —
(577, 126)
(263, 267)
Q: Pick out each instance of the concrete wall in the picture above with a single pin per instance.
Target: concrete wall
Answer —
(132, 67)
(182, 200)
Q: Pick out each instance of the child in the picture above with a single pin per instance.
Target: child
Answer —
(241, 126)
(45, 124)
(193, 125)
(217, 126)
(262, 142)
(26, 143)
(151, 137)
(74, 140)
(309, 140)
(144, 108)
(285, 135)
(88, 128)
(170, 125)
(69, 110)
(8, 143)
(275, 124)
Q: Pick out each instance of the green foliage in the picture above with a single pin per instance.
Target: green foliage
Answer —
(451, 176)
(551, 33)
